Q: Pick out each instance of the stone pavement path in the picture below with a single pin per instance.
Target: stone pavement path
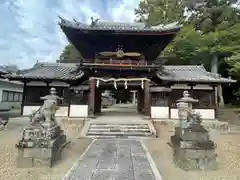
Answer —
(113, 160)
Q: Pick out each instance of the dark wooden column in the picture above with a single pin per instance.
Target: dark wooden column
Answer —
(69, 100)
(23, 96)
(98, 98)
(138, 101)
(215, 100)
(47, 85)
(147, 101)
(91, 102)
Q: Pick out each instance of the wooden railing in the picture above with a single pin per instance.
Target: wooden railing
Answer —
(125, 62)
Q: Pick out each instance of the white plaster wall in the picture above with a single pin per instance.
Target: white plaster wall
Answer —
(62, 111)
(28, 110)
(206, 113)
(158, 112)
(10, 86)
(78, 111)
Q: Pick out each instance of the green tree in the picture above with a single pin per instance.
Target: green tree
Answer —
(70, 55)
(155, 12)
(210, 31)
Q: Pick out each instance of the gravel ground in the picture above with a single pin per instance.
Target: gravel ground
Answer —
(228, 156)
(8, 139)
(228, 150)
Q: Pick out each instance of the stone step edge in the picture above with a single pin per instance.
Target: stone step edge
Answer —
(130, 129)
(119, 133)
(86, 127)
(139, 131)
(117, 125)
(117, 137)
(111, 123)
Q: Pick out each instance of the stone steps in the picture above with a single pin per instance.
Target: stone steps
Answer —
(116, 130)
(112, 130)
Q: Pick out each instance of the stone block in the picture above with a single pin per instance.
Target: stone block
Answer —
(23, 162)
(38, 152)
(194, 153)
(208, 163)
(188, 164)
(195, 136)
(175, 140)
(31, 152)
(42, 162)
(190, 159)
(197, 144)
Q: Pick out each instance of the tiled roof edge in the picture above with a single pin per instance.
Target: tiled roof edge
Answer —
(78, 25)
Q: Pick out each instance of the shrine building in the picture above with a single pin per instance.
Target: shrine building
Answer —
(120, 56)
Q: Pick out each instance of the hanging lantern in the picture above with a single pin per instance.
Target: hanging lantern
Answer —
(125, 84)
(142, 84)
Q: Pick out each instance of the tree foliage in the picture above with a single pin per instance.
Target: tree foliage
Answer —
(209, 29)
(155, 12)
(70, 55)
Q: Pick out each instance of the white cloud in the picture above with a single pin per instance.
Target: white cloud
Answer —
(30, 30)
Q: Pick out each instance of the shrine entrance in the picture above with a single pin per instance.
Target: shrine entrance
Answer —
(119, 97)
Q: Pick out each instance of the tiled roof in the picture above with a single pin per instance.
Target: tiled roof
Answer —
(118, 26)
(69, 71)
(45, 71)
(191, 74)
(3, 70)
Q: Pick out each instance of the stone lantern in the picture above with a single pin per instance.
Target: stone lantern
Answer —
(184, 106)
(192, 147)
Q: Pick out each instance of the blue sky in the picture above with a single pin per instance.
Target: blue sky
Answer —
(29, 28)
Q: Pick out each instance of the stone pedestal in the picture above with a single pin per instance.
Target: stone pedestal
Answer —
(193, 150)
(40, 146)
(192, 147)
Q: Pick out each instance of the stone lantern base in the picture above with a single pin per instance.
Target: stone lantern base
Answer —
(193, 150)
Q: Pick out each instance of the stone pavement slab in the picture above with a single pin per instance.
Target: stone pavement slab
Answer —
(117, 159)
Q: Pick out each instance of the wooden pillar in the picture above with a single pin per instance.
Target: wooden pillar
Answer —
(169, 99)
(69, 101)
(47, 84)
(23, 96)
(91, 103)
(215, 100)
(98, 98)
(147, 98)
(138, 101)
(61, 92)
(168, 94)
